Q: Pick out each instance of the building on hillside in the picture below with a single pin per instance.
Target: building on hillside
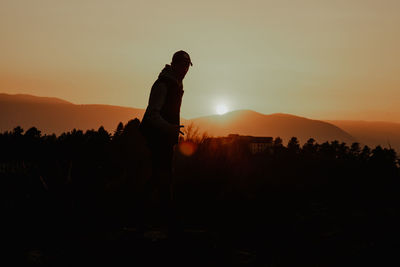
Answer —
(254, 144)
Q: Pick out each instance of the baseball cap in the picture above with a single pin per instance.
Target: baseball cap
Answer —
(181, 56)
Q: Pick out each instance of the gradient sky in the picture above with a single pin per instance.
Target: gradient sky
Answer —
(320, 59)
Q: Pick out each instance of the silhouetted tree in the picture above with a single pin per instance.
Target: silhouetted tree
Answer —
(119, 130)
(33, 133)
(365, 153)
(355, 149)
(293, 145)
(18, 131)
(310, 147)
(278, 142)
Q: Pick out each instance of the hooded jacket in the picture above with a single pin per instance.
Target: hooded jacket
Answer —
(163, 111)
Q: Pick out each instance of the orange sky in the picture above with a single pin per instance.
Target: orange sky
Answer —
(320, 59)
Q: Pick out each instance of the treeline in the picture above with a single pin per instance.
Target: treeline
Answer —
(331, 198)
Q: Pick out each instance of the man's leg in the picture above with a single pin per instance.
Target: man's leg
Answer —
(150, 187)
(161, 183)
(168, 204)
(164, 184)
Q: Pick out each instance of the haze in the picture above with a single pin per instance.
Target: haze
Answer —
(319, 59)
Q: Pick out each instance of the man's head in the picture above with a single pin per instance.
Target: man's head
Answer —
(180, 63)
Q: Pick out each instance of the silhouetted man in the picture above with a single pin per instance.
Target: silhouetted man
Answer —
(161, 127)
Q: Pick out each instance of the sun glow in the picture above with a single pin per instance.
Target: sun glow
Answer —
(221, 109)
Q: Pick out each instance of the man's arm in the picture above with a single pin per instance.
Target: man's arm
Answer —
(156, 102)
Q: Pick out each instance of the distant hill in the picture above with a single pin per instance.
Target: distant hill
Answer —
(373, 133)
(23, 98)
(54, 115)
(247, 122)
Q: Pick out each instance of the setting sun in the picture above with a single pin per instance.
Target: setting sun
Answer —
(221, 109)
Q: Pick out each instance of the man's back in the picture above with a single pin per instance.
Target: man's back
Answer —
(163, 110)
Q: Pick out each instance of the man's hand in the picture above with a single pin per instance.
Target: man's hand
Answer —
(178, 128)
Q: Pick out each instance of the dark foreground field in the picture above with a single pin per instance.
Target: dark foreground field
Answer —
(74, 200)
(314, 235)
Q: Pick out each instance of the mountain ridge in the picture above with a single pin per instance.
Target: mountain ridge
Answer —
(32, 99)
(372, 133)
(248, 122)
(55, 115)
